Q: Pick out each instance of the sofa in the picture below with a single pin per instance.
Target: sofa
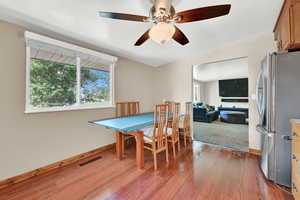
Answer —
(197, 104)
(201, 114)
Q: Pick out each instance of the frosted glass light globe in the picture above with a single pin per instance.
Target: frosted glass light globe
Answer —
(162, 32)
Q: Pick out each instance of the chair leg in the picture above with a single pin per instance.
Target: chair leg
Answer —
(123, 144)
(174, 153)
(167, 154)
(178, 144)
(155, 160)
(184, 139)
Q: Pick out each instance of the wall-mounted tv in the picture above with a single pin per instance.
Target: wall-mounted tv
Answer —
(233, 88)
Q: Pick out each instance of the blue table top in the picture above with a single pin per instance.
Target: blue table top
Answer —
(127, 124)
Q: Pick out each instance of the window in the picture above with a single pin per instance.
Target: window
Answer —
(61, 76)
(95, 86)
(52, 84)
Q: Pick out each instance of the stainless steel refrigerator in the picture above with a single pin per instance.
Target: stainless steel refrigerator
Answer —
(278, 101)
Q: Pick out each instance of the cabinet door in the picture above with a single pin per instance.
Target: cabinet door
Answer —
(285, 27)
(295, 191)
(296, 174)
(295, 24)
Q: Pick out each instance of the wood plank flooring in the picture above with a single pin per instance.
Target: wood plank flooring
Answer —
(198, 172)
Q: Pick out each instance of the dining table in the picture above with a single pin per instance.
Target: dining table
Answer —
(130, 125)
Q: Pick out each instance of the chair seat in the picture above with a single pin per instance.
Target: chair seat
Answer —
(148, 133)
(169, 131)
(181, 122)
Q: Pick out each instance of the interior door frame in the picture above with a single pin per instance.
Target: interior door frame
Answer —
(249, 95)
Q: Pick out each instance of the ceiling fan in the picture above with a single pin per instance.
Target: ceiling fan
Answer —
(164, 16)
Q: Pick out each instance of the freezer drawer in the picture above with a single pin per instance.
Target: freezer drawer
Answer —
(267, 162)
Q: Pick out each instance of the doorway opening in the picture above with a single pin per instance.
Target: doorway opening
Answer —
(221, 103)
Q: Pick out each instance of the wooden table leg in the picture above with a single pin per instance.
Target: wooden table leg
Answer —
(119, 144)
(140, 150)
(123, 146)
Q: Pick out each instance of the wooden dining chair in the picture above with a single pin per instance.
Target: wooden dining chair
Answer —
(185, 125)
(121, 109)
(170, 105)
(156, 139)
(173, 132)
(125, 109)
(133, 108)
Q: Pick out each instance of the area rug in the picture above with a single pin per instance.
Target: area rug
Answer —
(233, 136)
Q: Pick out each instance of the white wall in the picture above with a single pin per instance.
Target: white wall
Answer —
(222, 70)
(213, 98)
(201, 88)
(210, 73)
(30, 141)
(202, 91)
(174, 81)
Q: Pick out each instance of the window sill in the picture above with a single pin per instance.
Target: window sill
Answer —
(69, 108)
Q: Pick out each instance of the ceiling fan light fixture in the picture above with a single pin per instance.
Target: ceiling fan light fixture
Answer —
(162, 32)
(164, 16)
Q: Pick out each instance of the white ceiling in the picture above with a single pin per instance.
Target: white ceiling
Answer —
(78, 20)
(223, 70)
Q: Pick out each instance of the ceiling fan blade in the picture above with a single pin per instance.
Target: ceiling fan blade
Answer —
(203, 13)
(123, 16)
(180, 37)
(142, 39)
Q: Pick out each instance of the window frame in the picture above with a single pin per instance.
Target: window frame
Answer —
(77, 106)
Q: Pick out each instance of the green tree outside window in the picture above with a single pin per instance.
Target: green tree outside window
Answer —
(54, 84)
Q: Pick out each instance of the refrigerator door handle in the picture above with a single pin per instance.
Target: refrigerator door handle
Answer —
(287, 137)
(260, 96)
(263, 131)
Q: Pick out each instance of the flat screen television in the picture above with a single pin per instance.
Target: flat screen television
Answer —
(233, 88)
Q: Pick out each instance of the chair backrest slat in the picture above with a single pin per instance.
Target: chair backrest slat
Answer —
(121, 109)
(170, 105)
(133, 108)
(175, 121)
(160, 125)
(124, 109)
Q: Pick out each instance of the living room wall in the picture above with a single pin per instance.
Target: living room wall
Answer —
(201, 90)
(213, 98)
(177, 77)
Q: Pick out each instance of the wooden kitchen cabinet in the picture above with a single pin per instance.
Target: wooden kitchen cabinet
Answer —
(287, 29)
(296, 158)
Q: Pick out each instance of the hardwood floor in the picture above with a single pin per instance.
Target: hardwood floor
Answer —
(198, 172)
